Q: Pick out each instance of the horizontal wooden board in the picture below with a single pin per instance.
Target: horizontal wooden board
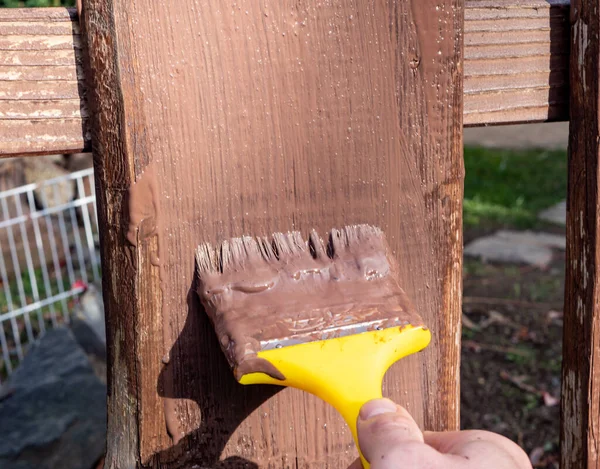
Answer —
(515, 64)
(42, 109)
(39, 136)
(516, 61)
(42, 94)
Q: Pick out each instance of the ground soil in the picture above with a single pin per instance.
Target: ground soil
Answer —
(511, 354)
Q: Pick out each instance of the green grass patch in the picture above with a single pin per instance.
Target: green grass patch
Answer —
(510, 187)
(53, 283)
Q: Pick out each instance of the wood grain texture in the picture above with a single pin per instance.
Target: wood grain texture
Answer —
(516, 61)
(516, 55)
(580, 399)
(42, 98)
(213, 120)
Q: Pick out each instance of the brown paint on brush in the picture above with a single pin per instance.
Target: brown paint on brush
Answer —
(291, 117)
(266, 293)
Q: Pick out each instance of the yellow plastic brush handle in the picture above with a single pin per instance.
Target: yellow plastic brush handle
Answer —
(346, 371)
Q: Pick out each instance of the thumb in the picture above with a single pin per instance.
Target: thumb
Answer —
(388, 436)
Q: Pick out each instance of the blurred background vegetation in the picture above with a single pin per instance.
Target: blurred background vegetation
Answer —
(507, 188)
(36, 3)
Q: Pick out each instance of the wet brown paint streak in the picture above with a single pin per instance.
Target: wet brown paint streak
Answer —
(144, 223)
(143, 208)
(172, 420)
(265, 117)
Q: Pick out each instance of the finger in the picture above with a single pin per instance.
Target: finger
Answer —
(382, 426)
(479, 447)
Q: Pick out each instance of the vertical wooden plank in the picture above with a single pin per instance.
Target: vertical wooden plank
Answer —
(217, 119)
(120, 262)
(580, 408)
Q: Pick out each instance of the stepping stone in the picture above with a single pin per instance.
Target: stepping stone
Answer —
(516, 247)
(556, 214)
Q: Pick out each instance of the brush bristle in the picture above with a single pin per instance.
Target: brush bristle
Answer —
(235, 254)
(346, 239)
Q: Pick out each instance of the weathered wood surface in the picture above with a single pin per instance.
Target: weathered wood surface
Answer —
(42, 97)
(213, 120)
(580, 400)
(516, 61)
(516, 55)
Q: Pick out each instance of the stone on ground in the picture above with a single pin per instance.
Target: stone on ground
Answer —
(39, 170)
(53, 413)
(516, 247)
(556, 214)
(88, 323)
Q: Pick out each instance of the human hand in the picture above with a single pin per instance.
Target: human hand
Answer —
(390, 439)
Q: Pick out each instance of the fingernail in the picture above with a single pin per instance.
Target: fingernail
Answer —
(377, 407)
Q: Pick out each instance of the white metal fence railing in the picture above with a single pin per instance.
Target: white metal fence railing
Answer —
(48, 241)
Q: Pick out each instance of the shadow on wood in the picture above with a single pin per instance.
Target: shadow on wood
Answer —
(79, 55)
(224, 403)
(558, 79)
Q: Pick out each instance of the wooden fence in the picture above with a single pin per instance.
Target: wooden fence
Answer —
(516, 69)
(213, 119)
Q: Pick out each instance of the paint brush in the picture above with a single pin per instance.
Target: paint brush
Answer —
(327, 318)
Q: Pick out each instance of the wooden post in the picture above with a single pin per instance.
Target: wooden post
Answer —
(216, 119)
(580, 416)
